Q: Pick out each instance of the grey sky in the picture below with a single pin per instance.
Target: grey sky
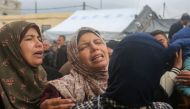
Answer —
(174, 8)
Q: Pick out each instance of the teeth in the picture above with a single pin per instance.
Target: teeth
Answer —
(97, 56)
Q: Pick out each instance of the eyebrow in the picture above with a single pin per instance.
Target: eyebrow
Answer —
(31, 35)
(83, 43)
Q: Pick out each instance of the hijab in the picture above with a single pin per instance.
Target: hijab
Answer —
(21, 85)
(82, 83)
(135, 69)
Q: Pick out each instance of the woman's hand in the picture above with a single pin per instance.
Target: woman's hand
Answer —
(178, 60)
(184, 78)
(57, 103)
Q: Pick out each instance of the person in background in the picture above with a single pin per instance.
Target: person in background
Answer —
(184, 35)
(60, 41)
(49, 55)
(49, 62)
(160, 36)
(22, 77)
(185, 19)
(88, 54)
(175, 75)
(168, 80)
(61, 57)
(135, 69)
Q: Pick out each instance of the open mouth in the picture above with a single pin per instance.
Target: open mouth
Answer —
(39, 54)
(97, 58)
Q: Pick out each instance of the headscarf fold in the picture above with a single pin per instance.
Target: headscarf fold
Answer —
(135, 69)
(82, 83)
(20, 84)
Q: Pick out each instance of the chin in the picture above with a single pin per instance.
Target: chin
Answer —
(36, 64)
(101, 66)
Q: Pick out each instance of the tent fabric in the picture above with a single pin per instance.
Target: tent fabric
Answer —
(148, 21)
(113, 24)
(112, 21)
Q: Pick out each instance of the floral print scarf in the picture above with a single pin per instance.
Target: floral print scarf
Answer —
(20, 84)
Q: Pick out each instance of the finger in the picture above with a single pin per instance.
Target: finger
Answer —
(65, 101)
(185, 71)
(57, 103)
(179, 78)
(64, 106)
(54, 101)
(180, 53)
(176, 54)
(184, 74)
(184, 82)
(47, 104)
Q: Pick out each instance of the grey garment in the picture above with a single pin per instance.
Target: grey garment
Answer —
(65, 69)
(49, 58)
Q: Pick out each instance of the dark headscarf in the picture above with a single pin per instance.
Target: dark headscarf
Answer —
(20, 84)
(135, 70)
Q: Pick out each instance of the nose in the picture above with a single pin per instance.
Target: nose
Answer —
(94, 47)
(39, 43)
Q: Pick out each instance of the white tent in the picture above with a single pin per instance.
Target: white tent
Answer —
(110, 22)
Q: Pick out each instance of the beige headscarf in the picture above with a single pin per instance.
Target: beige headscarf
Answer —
(81, 84)
(20, 84)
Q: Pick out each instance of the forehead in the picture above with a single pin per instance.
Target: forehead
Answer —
(46, 43)
(60, 38)
(31, 30)
(88, 36)
(160, 36)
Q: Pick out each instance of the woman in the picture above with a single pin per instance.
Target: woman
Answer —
(87, 52)
(135, 69)
(22, 79)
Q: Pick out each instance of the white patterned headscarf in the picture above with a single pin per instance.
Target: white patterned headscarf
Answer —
(82, 83)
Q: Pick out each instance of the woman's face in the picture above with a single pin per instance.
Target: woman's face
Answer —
(93, 52)
(32, 48)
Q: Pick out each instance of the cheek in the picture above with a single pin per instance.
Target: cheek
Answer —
(106, 51)
(84, 56)
(26, 50)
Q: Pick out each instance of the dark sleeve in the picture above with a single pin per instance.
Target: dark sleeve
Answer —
(174, 28)
(1, 103)
(178, 44)
(52, 73)
(61, 57)
(50, 92)
(161, 95)
(171, 32)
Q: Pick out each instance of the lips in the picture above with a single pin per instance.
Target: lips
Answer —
(38, 54)
(97, 58)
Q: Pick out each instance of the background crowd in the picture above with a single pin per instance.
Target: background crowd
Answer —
(142, 71)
